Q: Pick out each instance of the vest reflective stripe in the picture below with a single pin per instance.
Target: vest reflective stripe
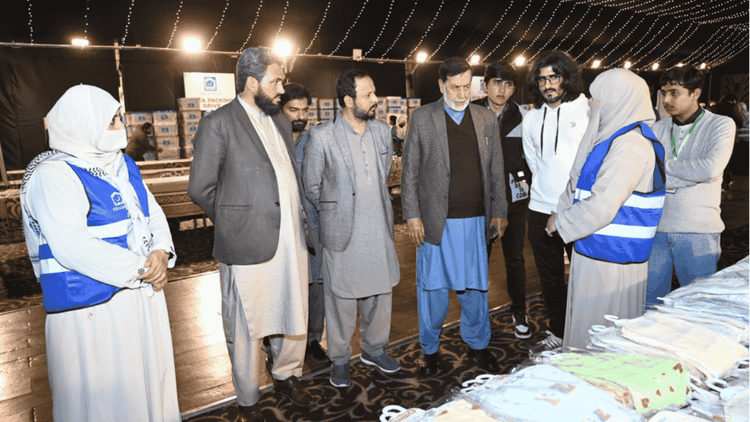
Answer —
(65, 289)
(628, 238)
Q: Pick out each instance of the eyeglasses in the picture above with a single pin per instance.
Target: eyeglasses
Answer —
(553, 79)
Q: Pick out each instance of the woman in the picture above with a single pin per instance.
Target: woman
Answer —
(611, 206)
(100, 246)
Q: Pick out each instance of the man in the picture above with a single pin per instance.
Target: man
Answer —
(347, 164)
(698, 146)
(453, 193)
(295, 103)
(100, 246)
(552, 132)
(611, 206)
(139, 142)
(500, 80)
(245, 177)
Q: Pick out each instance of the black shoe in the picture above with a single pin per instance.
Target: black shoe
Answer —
(316, 353)
(521, 326)
(485, 359)
(292, 388)
(250, 413)
(428, 364)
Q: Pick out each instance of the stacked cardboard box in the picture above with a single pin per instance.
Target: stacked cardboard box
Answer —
(312, 113)
(188, 118)
(165, 134)
(134, 119)
(326, 109)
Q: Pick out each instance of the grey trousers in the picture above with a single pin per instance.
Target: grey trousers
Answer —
(245, 352)
(315, 312)
(341, 318)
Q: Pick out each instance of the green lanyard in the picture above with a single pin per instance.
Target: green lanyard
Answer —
(677, 151)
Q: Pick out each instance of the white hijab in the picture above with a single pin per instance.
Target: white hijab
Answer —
(78, 122)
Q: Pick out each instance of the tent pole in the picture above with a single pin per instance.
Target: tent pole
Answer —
(3, 173)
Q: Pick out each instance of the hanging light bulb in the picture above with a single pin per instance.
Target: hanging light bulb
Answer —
(191, 45)
(475, 59)
(627, 65)
(520, 60)
(654, 66)
(596, 64)
(421, 57)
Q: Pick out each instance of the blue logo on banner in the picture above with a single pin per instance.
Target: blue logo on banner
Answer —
(209, 83)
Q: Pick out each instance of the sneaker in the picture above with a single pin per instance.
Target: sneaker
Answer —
(340, 376)
(521, 326)
(384, 362)
(552, 342)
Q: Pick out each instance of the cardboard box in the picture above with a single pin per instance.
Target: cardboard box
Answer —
(149, 156)
(165, 130)
(380, 112)
(187, 152)
(137, 118)
(189, 104)
(381, 102)
(326, 103)
(313, 103)
(397, 110)
(393, 102)
(167, 117)
(190, 116)
(326, 113)
(186, 140)
(188, 129)
(168, 142)
(312, 114)
(169, 153)
(414, 102)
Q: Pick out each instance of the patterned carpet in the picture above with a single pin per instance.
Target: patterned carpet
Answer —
(372, 390)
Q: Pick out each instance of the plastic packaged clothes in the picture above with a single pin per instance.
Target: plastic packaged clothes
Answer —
(458, 410)
(545, 393)
(712, 353)
(668, 416)
(646, 383)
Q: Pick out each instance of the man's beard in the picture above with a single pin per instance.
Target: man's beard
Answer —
(363, 115)
(266, 104)
(452, 104)
(552, 100)
(299, 125)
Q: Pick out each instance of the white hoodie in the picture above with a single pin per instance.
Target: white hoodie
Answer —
(551, 137)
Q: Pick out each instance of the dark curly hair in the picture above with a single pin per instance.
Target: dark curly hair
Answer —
(563, 64)
(688, 77)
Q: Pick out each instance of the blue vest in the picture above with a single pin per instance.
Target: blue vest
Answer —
(628, 238)
(64, 289)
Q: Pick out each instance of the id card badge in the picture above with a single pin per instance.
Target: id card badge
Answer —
(519, 189)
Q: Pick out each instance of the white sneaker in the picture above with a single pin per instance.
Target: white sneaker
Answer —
(551, 343)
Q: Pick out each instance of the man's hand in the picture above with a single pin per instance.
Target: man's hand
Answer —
(157, 269)
(551, 229)
(416, 231)
(501, 224)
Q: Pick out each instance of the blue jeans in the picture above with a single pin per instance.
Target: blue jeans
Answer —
(692, 255)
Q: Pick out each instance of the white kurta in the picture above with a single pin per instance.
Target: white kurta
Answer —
(112, 361)
(274, 293)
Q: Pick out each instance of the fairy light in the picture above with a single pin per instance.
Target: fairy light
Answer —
(31, 26)
(549, 39)
(599, 35)
(699, 9)
(390, 10)
(538, 13)
(474, 59)
(257, 13)
(643, 37)
(627, 65)
(680, 40)
(538, 34)
(221, 21)
(406, 22)
(451, 30)
(661, 40)
(557, 47)
(706, 45)
(624, 39)
(736, 48)
(717, 54)
(127, 25)
(281, 25)
(509, 32)
(86, 24)
(350, 28)
(325, 14)
(442, 2)
(176, 21)
(734, 16)
(493, 29)
(580, 37)
(610, 40)
(655, 66)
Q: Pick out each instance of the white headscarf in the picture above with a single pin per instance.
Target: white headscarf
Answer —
(78, 122)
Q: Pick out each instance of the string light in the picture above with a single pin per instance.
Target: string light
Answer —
(549, 39)
(493, 28)
(221, 21)
(717, 54)
(610, 40)
(31, 27)
(508, 33)
(281, 25)
(734, 16)
(600, 34)
(390, 9)
(452, 28)
(661, 40)
(643, 37)
(624, 39)
(691, 12)
(252, 27)
(402, 28)
(176, 21)
(350, 28)
(538, 34)
(680, 40)
(127, 25)
(442, 2)
(706, 45)
(325, 14)
(557, 47)
(736, 49)
(539, 12)
(86, 25)
(580, 37)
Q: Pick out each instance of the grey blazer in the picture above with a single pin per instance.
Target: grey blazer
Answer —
(329, 179)
(426, 174)
(233, 180)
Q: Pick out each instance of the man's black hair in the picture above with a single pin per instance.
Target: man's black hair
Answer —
(254, 62)
(294, 92)
(347, 85)
(453, 66)
(562, 64)
(500, 70)
(688, 77)
(146, 126)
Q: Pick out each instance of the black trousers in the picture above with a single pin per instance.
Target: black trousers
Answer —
(515, 267)
(550, 264)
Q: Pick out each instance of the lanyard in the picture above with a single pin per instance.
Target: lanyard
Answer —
(677, 151)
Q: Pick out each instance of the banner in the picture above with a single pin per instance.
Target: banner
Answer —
(213, 89)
